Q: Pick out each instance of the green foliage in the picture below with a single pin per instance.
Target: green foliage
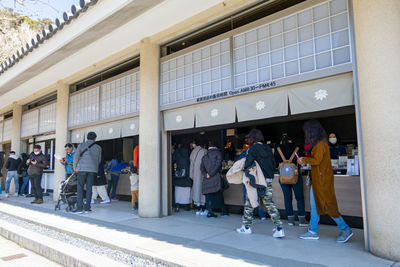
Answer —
(19, 19)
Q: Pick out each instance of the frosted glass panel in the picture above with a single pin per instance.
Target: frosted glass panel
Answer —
(291, 53)
(201, 72)
(47, 115)
(29, 123)
(240, 80)
(251, 37)
(277, 71)
(276, 56)
(275, 27)
(339, 22)
(304, 17)
(321, 27)
(263, 60)
(322, 44)
(306, 48)
(292, 68)
(251, 50)
(276, 42)
(290, 23)
(320, 11)
(251, 77)
(305, 33)
(340, 39)
(338, 6)
(323, 60)
(263, 46)
(264, 74)
(341, 55)
(290, 38)
(251, 64)
(307, 64)
(84, 107)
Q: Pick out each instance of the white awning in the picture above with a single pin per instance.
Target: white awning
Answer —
(322, 94)
(111, 130)
(215, 113)
(262, 105)
(77, 136)
(130, 127)
(179, 119)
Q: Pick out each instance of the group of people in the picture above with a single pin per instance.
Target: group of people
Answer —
(88, 164)
(198, 179)
(25, 169)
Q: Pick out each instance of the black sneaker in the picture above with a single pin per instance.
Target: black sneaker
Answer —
(211, 215)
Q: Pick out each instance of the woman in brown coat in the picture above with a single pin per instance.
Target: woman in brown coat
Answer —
(322, 193)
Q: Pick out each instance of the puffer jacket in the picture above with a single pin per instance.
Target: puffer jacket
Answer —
(262, 153)
(90, 160)
(211, 164)
(41, 164)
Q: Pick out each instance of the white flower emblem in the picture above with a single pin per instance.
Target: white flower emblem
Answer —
(214, 112)
(133, 126)
(260, 105)
(110, 131)
(178, 118)
(321, 94)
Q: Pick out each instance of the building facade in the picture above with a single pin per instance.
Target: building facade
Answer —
(155, 73)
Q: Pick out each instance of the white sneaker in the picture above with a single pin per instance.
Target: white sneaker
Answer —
(278, 234)
(244, 230)
(92, 201)
(6, 195)
(105, 201)
(15, 194)
(198, 212)
(204, 213)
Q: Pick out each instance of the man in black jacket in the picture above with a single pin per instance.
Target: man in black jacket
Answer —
(37, 162)
(12, 167)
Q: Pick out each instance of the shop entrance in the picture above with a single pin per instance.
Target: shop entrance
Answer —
(230, 139)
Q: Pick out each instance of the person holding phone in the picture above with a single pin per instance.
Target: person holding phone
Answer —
(37, 161)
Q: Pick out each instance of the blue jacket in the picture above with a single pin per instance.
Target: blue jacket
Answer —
(69, 158)
(115, 166)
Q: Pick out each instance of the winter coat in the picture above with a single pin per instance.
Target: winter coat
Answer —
(337, 150)
(101, 177)
(12, 163)
(23, 167)
(195, 174)
(211, 164)
(90, 160)
(322, 180)
(181, 157)
(252, 178)
(262, 153)
(41, 163)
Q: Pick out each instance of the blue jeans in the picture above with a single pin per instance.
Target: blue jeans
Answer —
(10, 175)
(24, 187)
(260, 211)
(112, 184)
(315, 217)
(298, 193)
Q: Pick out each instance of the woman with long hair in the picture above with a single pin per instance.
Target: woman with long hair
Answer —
(322, 193)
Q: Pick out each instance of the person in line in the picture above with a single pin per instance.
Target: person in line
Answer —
(99, 185)
(260, 210)
(12, 164)
(134, 179)
(322, 192)
(86, 165)
(211, 167)
(198, 198)
(287, 149)
(23, 172)
(115, 167)
(183, 182)
(335, 149)
(68, 161)
(37, 162)
(262, 154)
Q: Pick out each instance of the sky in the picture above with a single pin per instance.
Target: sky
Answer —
(39, 9)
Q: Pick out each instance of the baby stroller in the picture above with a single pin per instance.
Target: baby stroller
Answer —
(68, 193)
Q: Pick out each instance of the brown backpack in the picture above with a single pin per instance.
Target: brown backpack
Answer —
(288, 171)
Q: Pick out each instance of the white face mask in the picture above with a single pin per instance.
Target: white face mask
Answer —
(333, 140)
(36, 153)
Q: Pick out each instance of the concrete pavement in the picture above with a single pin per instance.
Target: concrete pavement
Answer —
(190, 240)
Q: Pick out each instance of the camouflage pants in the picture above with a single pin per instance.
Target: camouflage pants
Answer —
(269, 204)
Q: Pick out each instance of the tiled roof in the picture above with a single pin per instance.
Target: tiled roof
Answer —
(47, 33)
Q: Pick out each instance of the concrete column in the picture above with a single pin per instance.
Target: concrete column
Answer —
(377, 42)
(149, 132)
(16, 128)
(61, 133)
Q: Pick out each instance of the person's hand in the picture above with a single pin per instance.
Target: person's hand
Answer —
(208, 176)
(34, 162)
(98, 177)
(300, 161)
(28, 161)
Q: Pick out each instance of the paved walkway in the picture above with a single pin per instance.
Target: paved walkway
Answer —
(13, 255)
(191, 240)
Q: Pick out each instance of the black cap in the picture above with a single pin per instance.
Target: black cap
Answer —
(37, 147)
(91, 136)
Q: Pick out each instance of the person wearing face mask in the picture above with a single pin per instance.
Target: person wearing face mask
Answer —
(36, 162)
(335, 148)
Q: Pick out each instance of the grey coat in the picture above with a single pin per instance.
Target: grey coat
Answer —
(212, 164)
(90, 160)
(195, 173)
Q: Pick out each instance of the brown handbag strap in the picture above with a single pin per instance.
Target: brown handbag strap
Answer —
(293, 154)
(281, 154)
